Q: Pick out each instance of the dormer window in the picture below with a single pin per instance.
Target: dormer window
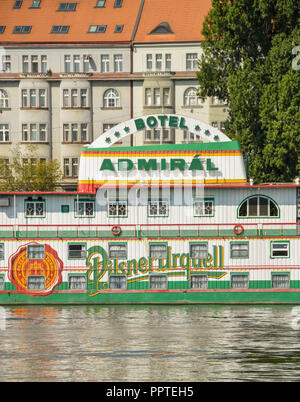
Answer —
(36, 4)
(22, 29)
(118, 4)
(67, 7)
(162, 29)
(62, 29)
(18, 4)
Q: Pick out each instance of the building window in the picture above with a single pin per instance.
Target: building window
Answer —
(77, 282)
(105, 63)
(100, 3)
(199, 281)
(280, 249)
(5, 62)
(60, 29)
(76, 63)
(118, 4)
(75, 98)
(280, 280)
(75, 132)
(239, 250)
(35, 252)
(67, 7)
(34, 209)
(117, 251)
(4, 132)
(71, 167)
(204, 207)
(158, 250)
(34, 132)
(117, 209)
(1, 251)
(191, 98)
(168, 62)
(84, 209)
(35, 282)
(118, 63)
(111, 98)
(34, 98)
(35, 4)
(149, 62)
(22, 29)
(2, 28)
(157, 208)
(86, 63)
(158, 135)
(119, 28)
(258, 206)
(3, 99)
(158, 62)
(166, 97)
(97, 28)
(156, 96)
(239, 281)
(191, 61)
(199, 250)
(18, 4)
(117, 282)
(158, 282)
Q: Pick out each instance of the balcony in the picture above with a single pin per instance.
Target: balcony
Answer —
(222, 230)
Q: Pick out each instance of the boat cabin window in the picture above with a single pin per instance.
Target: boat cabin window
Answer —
(77, 282)
(239, 281)
(35, 282)
(158, 282)
(199, 281)
(258, 206)
(280, 280)
(117, 282)
(35, 252)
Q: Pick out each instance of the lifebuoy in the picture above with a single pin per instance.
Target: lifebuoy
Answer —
(238, 229)
(116, 230)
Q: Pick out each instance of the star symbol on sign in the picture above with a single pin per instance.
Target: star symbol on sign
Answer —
(207, 132)
(216, 138)
(107, 139)
(197, 128)
(127, 129)
(117, 134)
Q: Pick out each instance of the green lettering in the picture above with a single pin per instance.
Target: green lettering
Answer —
(127, 167)
(163, 164)
(210, 165)
(143, 265)
(173, 121)
(177, 163)
(147, 165)
(139, 124)
(162, 120)
(182, 125)
(131, 264)
(196, 164)
(107, 165)
(151, 121)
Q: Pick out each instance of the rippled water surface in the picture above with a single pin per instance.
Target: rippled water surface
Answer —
(149, 343)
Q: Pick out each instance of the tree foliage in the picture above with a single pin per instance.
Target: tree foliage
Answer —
(247, 61)
(27, 172)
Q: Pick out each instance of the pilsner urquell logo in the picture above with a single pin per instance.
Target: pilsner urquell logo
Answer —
(99, 264)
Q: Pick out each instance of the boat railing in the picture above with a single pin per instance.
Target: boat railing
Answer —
(147, 230)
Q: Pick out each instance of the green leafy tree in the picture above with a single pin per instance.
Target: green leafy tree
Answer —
(27, 172)
(247, 60)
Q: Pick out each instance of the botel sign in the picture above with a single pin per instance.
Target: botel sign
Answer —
(99, 264)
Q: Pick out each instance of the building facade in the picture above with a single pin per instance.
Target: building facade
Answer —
(69, 71)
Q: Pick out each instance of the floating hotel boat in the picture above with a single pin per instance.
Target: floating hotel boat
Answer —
(164, 224)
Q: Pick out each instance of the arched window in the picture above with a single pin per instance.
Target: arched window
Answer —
(3, 99)
(111, 98)
(258, 206)
(191, 98)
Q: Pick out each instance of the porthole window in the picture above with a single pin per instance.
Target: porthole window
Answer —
(258, 206)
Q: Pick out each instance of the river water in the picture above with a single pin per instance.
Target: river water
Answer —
(149, 343)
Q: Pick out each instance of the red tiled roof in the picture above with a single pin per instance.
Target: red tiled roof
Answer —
(185, 19)
(42, 19)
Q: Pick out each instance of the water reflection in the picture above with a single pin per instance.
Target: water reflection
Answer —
(149, 343)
